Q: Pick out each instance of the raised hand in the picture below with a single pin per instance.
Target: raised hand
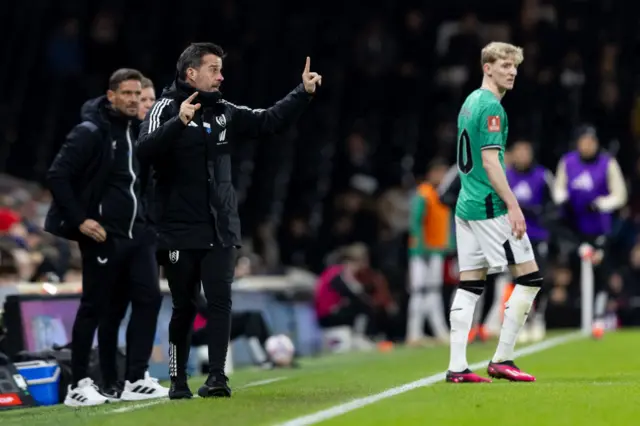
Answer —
(310, 79)
(188, 110)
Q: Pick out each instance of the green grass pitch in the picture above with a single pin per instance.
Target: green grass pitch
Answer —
(579, 382)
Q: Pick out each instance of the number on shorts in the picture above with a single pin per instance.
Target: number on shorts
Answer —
(465, 160)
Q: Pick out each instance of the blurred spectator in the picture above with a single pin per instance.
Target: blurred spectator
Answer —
(8, 218)
(297, 243)
(375, 53)
(630, 283)
(64, 51)
(29, 254)
(350, 293)
(267, 247)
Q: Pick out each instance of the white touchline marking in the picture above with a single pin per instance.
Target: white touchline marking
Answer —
(355, 404)
(262, 382)
(134, 407)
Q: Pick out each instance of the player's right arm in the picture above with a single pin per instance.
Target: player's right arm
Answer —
(159, 130)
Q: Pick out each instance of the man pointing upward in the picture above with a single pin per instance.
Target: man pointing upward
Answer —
(187, 137)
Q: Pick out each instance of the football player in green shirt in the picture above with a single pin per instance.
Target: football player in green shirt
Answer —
(490, 227)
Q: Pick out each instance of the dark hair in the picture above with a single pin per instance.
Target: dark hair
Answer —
(123, 74)
(585, 129)
(192, 56)
(146, 83)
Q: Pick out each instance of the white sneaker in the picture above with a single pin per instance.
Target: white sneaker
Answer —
(84, 395)
(147, 388)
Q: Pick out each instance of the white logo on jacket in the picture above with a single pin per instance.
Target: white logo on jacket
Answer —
(222, 137)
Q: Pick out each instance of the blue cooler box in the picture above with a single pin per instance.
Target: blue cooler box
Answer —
(42, 379)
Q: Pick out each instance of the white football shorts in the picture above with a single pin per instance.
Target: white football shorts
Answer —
(490, 244)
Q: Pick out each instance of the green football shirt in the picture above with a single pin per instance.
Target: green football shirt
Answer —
(482, 124)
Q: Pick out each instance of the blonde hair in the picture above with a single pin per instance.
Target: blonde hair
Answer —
(499, 50)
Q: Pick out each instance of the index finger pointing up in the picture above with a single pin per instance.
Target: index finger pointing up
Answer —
(307, 65)
(191, 98)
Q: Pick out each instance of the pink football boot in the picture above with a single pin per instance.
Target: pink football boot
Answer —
(508, 370)
(467, 376)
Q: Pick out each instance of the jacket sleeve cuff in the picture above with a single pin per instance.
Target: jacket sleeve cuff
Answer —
(301, 90)
(175, 124)
(77, 219)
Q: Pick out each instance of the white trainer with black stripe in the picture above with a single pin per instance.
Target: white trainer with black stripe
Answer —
(147, 388)
(84, 395)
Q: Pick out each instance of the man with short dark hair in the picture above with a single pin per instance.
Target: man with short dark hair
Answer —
(96, 201)
(187, 137)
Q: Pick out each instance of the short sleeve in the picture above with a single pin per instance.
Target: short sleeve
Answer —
(491, 126)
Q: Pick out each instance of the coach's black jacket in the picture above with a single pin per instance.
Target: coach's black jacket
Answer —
(195, 203)
(89, 179)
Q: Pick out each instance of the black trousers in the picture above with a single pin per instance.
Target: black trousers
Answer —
(115, 273)
(186, 270)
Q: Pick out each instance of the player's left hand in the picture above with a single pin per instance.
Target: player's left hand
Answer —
(310, 79)
(517, 222)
